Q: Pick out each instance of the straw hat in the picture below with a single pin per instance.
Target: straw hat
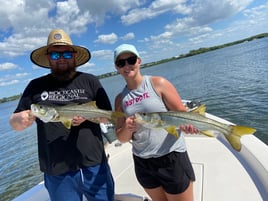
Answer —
(59, 37)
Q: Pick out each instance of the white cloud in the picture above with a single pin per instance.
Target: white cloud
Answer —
(19, 44)
(100, 11)
(260, 13)
(68, 13)
(103, 54)
(107, 39)
(7, 83)
(128, 36)
(28, 22)
(21, 75)
(7, 66)
(12, 79)
(207, 11)
(86, 66)
(195, 23)
(156, 8)
(18, 14)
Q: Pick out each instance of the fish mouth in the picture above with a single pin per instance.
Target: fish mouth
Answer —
(138, 117)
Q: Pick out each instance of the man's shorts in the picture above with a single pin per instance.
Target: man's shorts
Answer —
(95, 183)
(173, 172)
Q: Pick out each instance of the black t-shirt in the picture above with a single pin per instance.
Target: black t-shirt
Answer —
(60, 149)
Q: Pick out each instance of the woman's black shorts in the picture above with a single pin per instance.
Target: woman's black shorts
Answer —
(173, 172)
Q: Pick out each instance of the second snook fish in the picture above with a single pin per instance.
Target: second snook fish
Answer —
(171, 120)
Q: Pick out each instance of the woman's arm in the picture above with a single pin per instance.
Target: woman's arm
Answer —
(172, 99)
(168, 93)
(125, 126)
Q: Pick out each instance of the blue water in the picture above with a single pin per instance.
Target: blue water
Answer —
(232, 82)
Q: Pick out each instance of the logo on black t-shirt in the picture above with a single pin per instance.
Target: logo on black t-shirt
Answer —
(64, 95)
(44, 95)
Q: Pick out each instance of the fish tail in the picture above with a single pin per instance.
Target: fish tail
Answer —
(243, 130)
(236, 133)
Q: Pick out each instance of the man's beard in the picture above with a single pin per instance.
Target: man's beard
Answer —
(63, 75)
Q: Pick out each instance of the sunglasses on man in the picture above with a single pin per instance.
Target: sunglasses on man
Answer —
(57, 55)
(122, 62)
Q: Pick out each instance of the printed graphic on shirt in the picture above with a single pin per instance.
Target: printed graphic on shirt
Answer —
(64, 95)
(136, 100)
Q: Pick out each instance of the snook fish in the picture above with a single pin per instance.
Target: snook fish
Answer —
(66, 113)
(171, 120)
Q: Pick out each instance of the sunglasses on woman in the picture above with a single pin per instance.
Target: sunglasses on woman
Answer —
(57, 55)
(122, 62)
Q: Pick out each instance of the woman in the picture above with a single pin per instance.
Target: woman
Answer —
(161, 161)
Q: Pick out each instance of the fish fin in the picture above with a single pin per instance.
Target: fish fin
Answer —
(67, 123)
(173, 130)
(116, 115)
(200, 110)
(236, 133)
(91, 104)
(208, 133)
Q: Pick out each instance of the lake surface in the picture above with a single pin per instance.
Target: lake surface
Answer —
(232, 82)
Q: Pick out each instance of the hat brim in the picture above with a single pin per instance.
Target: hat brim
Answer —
(39, 56)
(125, 51)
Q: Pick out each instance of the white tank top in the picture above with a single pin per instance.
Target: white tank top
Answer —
(149, 143)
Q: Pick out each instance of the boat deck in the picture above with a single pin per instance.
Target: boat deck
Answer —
(219, 175)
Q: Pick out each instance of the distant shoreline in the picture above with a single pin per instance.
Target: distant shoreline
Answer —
(190, 53)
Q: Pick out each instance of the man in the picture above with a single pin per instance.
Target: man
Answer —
(73, 160)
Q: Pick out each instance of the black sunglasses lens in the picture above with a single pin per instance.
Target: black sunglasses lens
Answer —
(131, 60)
(122, 62)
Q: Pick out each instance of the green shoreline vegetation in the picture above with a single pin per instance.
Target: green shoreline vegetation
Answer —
(190, 53)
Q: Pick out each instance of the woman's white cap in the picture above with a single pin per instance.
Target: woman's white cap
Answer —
(125, 48)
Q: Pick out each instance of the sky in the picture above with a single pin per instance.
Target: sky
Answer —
(159, 29)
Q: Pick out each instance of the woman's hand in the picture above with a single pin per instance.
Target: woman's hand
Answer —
(130, 124)
(126, 128)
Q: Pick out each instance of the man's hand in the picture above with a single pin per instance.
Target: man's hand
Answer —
(188, 128)
(77, 120)
(21, 120)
